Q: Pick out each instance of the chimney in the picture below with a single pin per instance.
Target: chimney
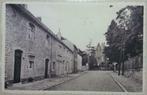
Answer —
(59, 35)
(24, 5)
(39, 18)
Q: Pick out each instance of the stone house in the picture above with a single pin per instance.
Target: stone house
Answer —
(74, 55)
(32, 50)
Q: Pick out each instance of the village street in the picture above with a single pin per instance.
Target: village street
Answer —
(91, 81)
(48, 51)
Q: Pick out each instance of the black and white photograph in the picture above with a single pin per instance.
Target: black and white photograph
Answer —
(68, 46)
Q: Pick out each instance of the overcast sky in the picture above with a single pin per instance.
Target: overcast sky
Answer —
(80, 23)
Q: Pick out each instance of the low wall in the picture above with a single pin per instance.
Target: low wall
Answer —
(133, 68)
(137, 76)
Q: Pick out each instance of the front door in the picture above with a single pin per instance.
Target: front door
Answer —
(46, 68)
(17, 65)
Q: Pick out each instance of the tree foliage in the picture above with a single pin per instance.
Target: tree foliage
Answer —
(125, 34)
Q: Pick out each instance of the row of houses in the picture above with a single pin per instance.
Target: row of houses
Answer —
(33, 51)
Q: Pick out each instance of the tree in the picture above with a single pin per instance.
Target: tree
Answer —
(131, 21)
(125, 35)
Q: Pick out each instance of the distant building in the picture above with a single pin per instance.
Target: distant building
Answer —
(32, 50)
(100, 57)
(82, 58)
(79, 63)
(92, 63)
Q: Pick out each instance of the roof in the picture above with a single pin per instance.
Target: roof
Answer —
(34, 19)
(69, 44)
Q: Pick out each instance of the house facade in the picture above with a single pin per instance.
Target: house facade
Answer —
(32, 50)
(75, 53)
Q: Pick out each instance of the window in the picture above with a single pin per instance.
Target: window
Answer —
(47, 36)
(60, 46)
(31, 64)
(53, 65)
(47, 40)
(31, 31)
(31, 60)
(59, 55)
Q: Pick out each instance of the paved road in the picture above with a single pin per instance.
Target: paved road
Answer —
(91, 81)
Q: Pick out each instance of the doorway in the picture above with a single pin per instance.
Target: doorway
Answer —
(46, 68)
(17, 65)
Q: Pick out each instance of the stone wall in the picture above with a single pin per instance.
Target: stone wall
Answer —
(18, 37)
(36, 44)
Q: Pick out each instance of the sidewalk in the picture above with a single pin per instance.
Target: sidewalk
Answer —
(44, 84)
(127, 84)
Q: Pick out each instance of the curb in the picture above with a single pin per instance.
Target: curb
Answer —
(119, 84)
(65, 81)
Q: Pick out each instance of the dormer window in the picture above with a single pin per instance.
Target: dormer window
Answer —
(32, 26)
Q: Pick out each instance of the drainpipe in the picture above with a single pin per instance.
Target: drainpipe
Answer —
(51, 59)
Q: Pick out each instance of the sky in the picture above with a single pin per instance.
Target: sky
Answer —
(80, 23)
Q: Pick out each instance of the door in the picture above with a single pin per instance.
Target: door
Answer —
(46, 68)
(17, 65)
